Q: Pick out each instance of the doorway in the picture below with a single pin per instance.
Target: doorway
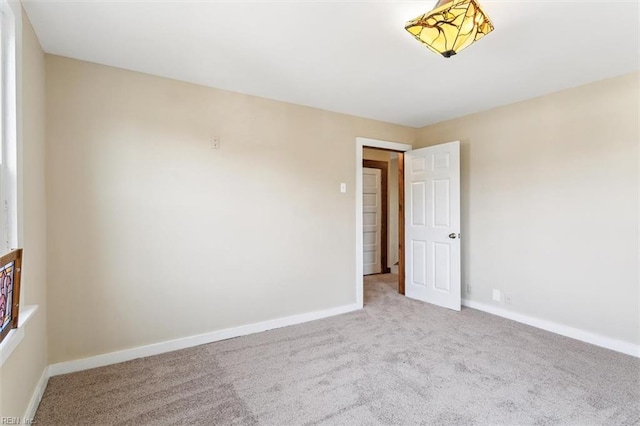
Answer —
(429, 241)
(398, 149)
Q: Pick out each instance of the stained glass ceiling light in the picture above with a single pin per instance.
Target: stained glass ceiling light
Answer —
(451, 26)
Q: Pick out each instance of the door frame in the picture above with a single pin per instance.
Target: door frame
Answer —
(383, 166)
(391, 146)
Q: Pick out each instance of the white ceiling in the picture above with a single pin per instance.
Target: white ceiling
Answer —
(352, 57)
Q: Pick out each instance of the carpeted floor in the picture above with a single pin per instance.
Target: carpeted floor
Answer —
(397, 362)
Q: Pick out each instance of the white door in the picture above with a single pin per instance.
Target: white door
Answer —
(372, 220)
(432, 224)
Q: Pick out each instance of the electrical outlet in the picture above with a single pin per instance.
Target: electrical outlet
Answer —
(497, 296)
(215, 142)
(508, 299)
(343, 187)
(469, 288)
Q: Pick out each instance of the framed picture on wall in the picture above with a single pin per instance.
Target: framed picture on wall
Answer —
(10, 271)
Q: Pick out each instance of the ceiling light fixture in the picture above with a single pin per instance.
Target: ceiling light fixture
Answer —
(451, 26)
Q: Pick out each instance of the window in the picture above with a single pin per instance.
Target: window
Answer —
(10, 262)
(8, 130)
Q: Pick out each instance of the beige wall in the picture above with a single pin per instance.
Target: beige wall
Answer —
(375, 154)
(22, 371)
(394, 211)
(550, 205)
(154, 236)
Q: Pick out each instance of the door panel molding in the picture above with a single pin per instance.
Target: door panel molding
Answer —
(383, 166)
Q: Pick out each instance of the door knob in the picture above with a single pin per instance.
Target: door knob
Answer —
(452, 236)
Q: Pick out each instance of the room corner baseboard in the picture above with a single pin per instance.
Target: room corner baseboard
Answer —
(30, 413)
(187, 342)
(564, 330)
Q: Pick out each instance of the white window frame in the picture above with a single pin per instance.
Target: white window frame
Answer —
(11, 222)
(9, 124)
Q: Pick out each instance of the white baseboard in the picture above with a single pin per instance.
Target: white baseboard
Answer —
(37, 395)
(215, 336)
(187, 342)
(554, 327)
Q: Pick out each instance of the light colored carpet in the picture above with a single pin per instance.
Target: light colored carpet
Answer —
(397, 362)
